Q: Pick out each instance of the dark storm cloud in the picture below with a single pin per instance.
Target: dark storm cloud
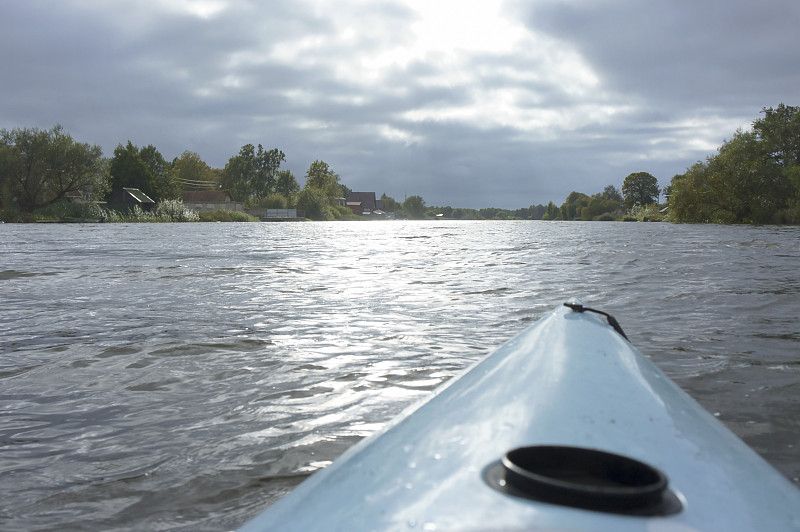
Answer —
(569, 97)
(701, 51)
(686, 59)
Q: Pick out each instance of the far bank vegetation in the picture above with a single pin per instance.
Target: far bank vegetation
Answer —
(47, 175)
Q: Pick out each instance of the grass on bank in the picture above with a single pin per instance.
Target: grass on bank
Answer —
(175, 211)
(164, 211)
(223, 215)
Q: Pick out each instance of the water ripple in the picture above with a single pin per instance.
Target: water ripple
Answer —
(183, 376)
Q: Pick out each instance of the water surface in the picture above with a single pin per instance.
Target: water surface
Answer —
(185, 376)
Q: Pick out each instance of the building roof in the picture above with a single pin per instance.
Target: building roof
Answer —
(366, 199)
(138, 195)
(204, 196)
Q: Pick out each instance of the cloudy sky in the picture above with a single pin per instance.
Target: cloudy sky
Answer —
(470, 103)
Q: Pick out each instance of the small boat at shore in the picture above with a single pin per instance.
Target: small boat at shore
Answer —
(567, 427)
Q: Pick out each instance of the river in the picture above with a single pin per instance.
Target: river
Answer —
(185, 376)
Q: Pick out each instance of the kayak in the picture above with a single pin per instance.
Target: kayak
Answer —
(567, 427)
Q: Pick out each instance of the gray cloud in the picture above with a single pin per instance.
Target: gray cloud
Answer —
(493, 111)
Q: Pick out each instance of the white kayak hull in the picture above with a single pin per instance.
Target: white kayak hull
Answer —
(570, 381)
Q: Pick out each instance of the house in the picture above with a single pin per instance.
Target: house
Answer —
(365, 203)
(128, 197)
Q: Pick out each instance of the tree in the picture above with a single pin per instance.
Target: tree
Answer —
(252, 173)
(323, 178)
(285, 184)
(741, 183)
(612, 193)
(414, 207)
(267, 164)
(192, 173)
(490, 213)
(534, 212)
(599, 206)
(574, 205)
(128, 170)
(753, 178)
(314, 203)
(690, 200)
(551, 212)
(390, 204)
(165, 186)
(779, 133)
(144, 169)
(640, 188)
(39, 168)
(238, 174)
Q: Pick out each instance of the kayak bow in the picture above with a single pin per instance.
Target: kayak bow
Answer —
(565, 427)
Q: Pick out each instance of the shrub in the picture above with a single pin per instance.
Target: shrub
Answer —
(343, 213)
(645, 213)
(314, 203)
(62, 210)
(138, 215)
(273, 201)
(175, 211)
(14, 216)
(224, 215)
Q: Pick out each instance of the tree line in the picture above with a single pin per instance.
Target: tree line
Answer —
(753, 178)
(40, 168)
(637, 200)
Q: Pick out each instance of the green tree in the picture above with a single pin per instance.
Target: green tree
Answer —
(144, 169)
(252, 173)
(534, 212)
(691, 201)
(574, 205)
(285, 184)
(165, 186)
(551, 212)
(742, 183)
(39, 168)
(192, 173)
(314, 204)
(238, 174)
(267, 165)
(390, 204)
(275, 201)
(598, 206)
(128, 170)
(779, 133)
(640, 188)
(612, 193)
(414, 207)
(323, 178)
(489, 213)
